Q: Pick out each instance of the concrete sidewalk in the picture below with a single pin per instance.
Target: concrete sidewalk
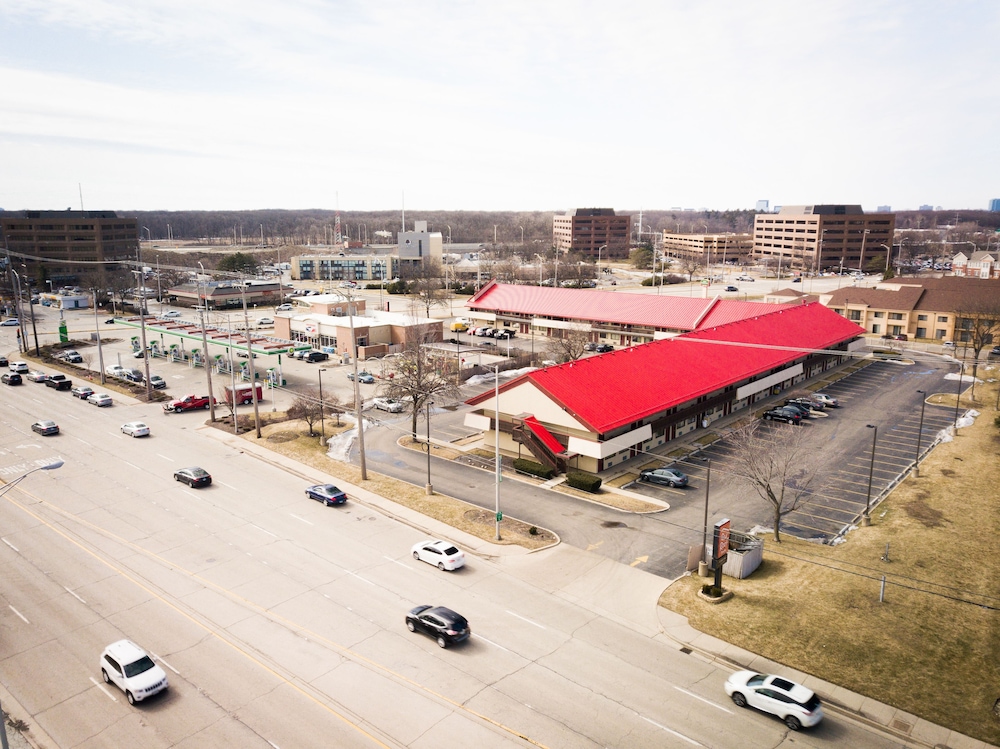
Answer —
(629, 596)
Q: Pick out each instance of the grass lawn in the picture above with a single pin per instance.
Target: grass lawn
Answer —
(933, 647)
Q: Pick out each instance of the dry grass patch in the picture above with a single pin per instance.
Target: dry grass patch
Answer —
(611, 499)
(292, 439)
(933, 647)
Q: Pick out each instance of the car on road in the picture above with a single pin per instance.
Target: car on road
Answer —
(11, 321)
(731, 288)
(328, 494)
(284, 308)
(797, 279)
(59, 382)
(135, 429)
(82, 392)
(171, 313)
(348, 285)
(193, 476)
(949, 344)
(442, 554)
(796, 705)
(828, 400)
(10, 378)
(265, 322)
(666, 476)
(36, 376)
(100, 400)
(157, 382)
(391, 405)
(782, 413)
(72, 357)
(748, 279)
(444, 625)
(3, 362)
(19, 367)
(364, 377)
(45, 427)
(130, 668)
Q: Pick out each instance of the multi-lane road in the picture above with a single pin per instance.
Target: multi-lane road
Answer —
(280, 621)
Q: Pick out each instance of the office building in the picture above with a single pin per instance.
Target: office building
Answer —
(823, 237)
(708, 249)
(593, 233)
(995, 205)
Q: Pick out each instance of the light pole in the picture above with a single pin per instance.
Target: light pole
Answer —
(449, 234)
(250, 355)
(31, 313)
(522, 233)
(322, 424)
(204, 343)
(22, 344)
(100, 350)
(429, 487)
(920, 433)
(496, 441)
(149, 236)
(357, 389)
(602, 247)
(861, 262)
(866, 518)
(495, 234)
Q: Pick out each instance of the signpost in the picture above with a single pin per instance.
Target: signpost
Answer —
(720, 549)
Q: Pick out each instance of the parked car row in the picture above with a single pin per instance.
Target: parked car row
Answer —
(796, 409)
(488, 332)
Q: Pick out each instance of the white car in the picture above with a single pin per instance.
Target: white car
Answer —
(265, 322)
(129, 668)
(391, 405)
(284, 308)
(171, 313)
(100, 399)
(442, 554)
(18, 367)
(36, 376)
(11, 321)
(115, 370)
(796, 705)
(135, 429)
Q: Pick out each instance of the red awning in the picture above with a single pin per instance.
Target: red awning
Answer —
(544, 435)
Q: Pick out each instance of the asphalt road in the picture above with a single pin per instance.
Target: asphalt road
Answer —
(280, 621)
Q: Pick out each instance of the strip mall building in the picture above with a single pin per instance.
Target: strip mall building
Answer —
(600, 411)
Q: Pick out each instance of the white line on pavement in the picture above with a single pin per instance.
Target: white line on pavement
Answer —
(73, 594)
(303, 520)
(524, 619)
(101, 687)
(11, 545)
(20, 615)
(707, 702)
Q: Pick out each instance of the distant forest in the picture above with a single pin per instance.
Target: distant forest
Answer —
(316, 227)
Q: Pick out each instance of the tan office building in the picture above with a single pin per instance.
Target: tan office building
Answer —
(823, 237)
(591, 232)
(708, 248)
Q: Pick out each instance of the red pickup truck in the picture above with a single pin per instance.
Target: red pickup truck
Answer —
(188, 403)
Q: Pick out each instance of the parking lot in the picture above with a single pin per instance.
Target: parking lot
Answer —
(839, 443)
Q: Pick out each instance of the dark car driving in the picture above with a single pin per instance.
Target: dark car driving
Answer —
(328, 494)
(443, 624)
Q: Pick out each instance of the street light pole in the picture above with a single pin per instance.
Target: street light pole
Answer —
(603, 246)
(204, 344)
(250, 355)
(322, 423)
(496, 442)
(429, 487)
(866, 518)
(920, 433)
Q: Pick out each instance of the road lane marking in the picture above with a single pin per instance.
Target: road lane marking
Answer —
(524, 619)
(165, 663)
(480, 637)
(668, 730)
(103, 689)
(11, 546)
(706, 701)
(73, 594)
(300, 519)
(161, 455)
(262, 531)
(396, 561)
(20, 615)
(355, 574)
(229, 487)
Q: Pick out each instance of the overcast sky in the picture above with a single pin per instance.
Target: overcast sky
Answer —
(503, 105)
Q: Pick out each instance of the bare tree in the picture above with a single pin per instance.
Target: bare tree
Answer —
(977, 322)
(426, 284)
(570, 345)
(691, 265)
(307, 408)
(417, 380)
(777, 469)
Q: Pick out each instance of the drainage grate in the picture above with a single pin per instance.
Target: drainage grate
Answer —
(901, 726)
(686, 651)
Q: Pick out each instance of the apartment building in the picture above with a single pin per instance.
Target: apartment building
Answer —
(66, 241)
(593, 233)
(978, 264)
(823, 237)
(708, 248)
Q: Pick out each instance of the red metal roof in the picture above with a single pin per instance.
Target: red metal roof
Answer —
(661, 311)
(612, 390)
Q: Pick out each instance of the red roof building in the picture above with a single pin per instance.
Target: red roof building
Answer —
(606, 409)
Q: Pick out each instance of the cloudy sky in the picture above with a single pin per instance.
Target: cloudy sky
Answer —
(503, 105)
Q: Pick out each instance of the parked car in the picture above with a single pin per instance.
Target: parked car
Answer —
(782, 413)
(71, 356)
(284, 308)
(10, 378)
(193, 476)
(115, 370)
(797, 279)
(328, 494)
(316, 356)
(363, 377)
(731, 288)
(82, 392)
(265, 322)
(503, 333)
(3, 362)
(135, 429)
(994, 353)
(391, 405)
(443, 624)
(59, 382)
(171, 313)
(133, 375)
(156, 382)
(804, 410)
(828, 400)
(666, 476)
(442, 554)
(100, 400)
(45, 428)
(129, 668)
(805, 403)
(245, 354)
(748, 279)
(590, 346)
(603, 348)
(19, 367)
(796, 705)
(949, 344)
(36, 376)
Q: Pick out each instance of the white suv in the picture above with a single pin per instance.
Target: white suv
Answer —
(19, 367)
(129, 668)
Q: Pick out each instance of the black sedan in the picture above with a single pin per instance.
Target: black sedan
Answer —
(443, 624)
(788, 415)
(328, 494)
(45, 428)
(193, 477)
